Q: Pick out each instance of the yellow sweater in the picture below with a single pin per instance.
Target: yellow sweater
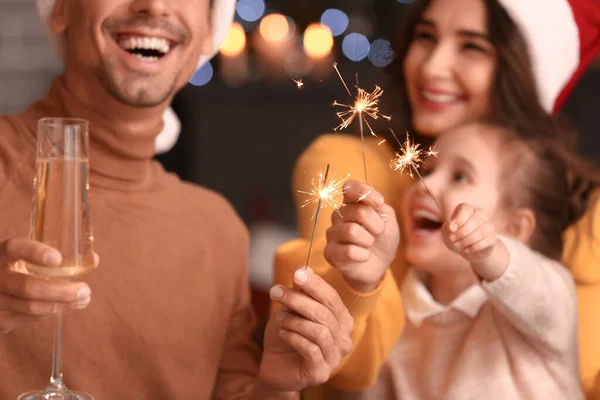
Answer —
(379, 317)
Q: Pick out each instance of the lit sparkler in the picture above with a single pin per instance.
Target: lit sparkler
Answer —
(366, 104)
(409, 157)
(299, 83)
(324, 195)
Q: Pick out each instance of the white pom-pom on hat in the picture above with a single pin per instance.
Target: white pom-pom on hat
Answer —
(221, 18)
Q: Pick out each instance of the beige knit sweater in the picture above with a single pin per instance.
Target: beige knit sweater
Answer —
(513, 338)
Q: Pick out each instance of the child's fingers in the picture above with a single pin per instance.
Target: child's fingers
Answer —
(483, 231)
(460, 216)
(350, 233)
(473, 223)
(483, 244)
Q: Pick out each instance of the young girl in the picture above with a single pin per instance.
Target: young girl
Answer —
(490, 312)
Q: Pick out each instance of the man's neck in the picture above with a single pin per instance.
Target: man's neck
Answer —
(121, 146)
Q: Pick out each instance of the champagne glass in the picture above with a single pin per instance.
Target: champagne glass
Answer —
(61, 219)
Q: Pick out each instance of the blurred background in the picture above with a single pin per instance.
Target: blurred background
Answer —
(248, 114)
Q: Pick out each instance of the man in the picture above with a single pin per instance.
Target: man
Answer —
(171, 316)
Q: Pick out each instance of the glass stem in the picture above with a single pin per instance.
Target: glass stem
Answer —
(56, 380)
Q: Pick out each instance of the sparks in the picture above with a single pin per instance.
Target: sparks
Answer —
(324, 195)
(432, 152)
(299, 83)
(366, 104)
(409, 157)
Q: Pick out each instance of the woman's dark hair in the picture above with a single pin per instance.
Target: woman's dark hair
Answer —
(543, 172)
(514, 91)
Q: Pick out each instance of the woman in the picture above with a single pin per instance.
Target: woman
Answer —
(457, 60)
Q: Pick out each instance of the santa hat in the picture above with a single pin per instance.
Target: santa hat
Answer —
(563, 37)
(221, 18)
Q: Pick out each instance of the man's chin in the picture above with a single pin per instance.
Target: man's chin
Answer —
(143, 97)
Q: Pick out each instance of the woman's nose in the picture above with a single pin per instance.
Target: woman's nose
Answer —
(438, 63)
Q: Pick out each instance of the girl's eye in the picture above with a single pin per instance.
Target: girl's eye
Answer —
(426, 169)
(459, 177)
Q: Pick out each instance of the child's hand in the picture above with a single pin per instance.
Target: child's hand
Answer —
(362, 243)
(470, 234)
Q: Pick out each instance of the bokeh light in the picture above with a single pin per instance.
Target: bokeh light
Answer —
(297, 64)
(234, 42)
(203, 75)
(336, 20)
(292, 27)
(250, 10)
(274, 28)
(318, 40)
(381, 53)
(355, 46)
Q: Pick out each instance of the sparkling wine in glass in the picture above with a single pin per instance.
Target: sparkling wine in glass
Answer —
(61, 219)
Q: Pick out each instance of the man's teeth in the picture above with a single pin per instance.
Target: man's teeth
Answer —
(426, 214)
(146, 43)
(438, 97)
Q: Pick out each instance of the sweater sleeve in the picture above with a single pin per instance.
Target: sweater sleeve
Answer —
(582, 257)
(537, 295)
(239, 363)
(378, 318)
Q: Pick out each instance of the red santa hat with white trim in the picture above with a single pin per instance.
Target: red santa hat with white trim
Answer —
(563, 37)
(221, 17)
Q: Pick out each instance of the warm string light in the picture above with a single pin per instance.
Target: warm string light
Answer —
(324, 195)
(366, 104)
(409, 157)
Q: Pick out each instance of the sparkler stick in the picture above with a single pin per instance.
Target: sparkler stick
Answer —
(362, 143)
(324, 195)
(365, 104)
(411, 156)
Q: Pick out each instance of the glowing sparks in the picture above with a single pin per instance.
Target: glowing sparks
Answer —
(366, 104)
(325, 194)
(410, 155)
(299, 83)
(364, 196)
(432, 152)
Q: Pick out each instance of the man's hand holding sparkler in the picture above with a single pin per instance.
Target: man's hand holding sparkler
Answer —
(469, 234)
(363, 239)
(306, 339)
